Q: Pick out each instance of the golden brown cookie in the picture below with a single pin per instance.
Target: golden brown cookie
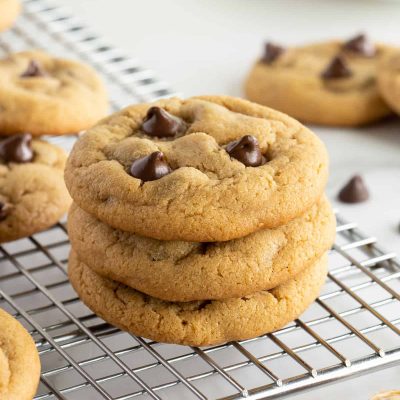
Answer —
(203, 169)
(387, 395)
(19, 361)
(33, 195)
(329, 83)
(197, 323)
(45, 95)
(9, 11)
(389, 80)
(187, 271)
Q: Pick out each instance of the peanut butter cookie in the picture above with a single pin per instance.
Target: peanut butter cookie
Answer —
(19, 361)
(204, 169)
(330, 83)
(45, 95)
(187, 271)
(197, 323)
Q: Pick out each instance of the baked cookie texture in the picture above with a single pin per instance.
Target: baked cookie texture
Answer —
(389, 80)
(33, 195)
(309, 84)
(9, 11)
(195, 190)
(19, 361)
(197, 323)
(187, 271)
(45, 95)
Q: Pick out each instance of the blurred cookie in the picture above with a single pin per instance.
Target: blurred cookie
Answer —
(329, 83)
(187, 271)
(389, 80)
(197, 323)
(45, 95)
(19, 361)
(388, 395)
(33, 195)
(203, 169)
(9, 11)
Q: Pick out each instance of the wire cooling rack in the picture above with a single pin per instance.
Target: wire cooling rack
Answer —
(351, 329)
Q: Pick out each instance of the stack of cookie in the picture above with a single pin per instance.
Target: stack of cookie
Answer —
(338, 82)
(41, 95)
(198, 221)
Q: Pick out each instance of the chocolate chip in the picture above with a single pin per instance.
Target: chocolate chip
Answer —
(246, 150)
(272, 52)
(361, 45)
(337, 69)
(5, 210)
(354, 191)
(161, 123)
(33, 70)
(17, 148)
(151, 167)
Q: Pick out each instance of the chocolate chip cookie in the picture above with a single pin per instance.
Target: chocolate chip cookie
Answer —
(45, 95)
(330, 83)
(19, 361)
(9, 11)
(389, 80)
(197, 323)
(187, 271)
(204, 169)
(33, 195)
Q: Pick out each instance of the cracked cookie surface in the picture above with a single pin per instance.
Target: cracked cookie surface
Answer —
(299, 83)
(33, 195)
(19, 361)
(45, 95)
(197, 323)
(187, 271)
(9, 11)
(207, 194)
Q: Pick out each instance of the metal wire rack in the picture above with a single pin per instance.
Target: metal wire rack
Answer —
(353, 328)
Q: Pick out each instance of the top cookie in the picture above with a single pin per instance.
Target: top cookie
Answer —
(9, 10)
(19, 361)
(195, 174)
(330, 83)
(45, 95)
(389, 80)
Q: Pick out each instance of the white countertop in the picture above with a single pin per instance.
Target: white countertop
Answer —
(204, 47)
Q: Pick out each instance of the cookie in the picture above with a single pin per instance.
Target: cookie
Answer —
(19, 361)
(33, 195)
(196, 323)
(330, 83)
(210, 168)
(45, 95)
(178, 271)
(389, 80)
(9, 11)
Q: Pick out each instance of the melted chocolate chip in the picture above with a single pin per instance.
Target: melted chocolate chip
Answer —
(33, 70)
(354, 191)
(246, 150)
(337, 69)
(17, 148)
(4, 211)
(161, 123)
(151, 167)
(360, 45)
(272, 52)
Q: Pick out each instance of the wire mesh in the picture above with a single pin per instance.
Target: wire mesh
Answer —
(353, 328)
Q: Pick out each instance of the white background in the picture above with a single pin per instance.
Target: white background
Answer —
(203, 47)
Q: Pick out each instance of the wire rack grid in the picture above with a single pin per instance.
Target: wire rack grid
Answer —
(352, 328)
